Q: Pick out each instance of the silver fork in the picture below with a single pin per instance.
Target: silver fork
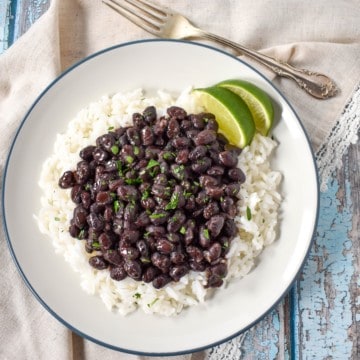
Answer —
(165, 23)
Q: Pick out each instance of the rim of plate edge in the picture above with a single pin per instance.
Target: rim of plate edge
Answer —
(8, 239)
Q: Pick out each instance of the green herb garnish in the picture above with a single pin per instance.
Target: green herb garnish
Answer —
(136, 150)
(116, 206)
(56, 218)
(173, 203)
(137, 295)
(152, 163)
(129, 159)
(110, 128)
(157, 216)
(115, 149)
(136, 181)
(182, 230)
(96, 245)
(153, 302)
(248, 213)
(206, 234)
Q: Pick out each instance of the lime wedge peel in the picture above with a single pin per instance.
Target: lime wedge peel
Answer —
(257, 100)
(232, 114)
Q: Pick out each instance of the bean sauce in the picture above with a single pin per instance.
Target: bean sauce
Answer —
(156, 200)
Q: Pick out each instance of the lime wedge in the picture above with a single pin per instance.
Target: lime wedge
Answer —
(231, 112)
(256, 99)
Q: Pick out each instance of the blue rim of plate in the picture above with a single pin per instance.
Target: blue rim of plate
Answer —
(27, 282)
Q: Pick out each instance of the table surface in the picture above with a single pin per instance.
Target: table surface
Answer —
(320, 316)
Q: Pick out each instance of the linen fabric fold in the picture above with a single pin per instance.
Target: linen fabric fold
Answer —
(322, 36)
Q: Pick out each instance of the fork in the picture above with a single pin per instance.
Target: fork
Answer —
(165, 23)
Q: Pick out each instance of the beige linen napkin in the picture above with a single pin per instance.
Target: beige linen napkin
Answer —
(321, 35)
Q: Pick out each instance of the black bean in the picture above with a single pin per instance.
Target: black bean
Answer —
(113, 257)
(79, 216)
(198, 152)
(161, 261)
(87, 153)
(106, 141)
(215, 192)
(213, 253)
(100, 155)
(160, 281)
(178, 271)
(195, 253)
(150, 273)
(182, 156)
(201, 165)
(104, 198)
(74, 231)
(105, 241)
(215, 224)
(147, 136)
(206, 180)
(228, 158)
(181, 142)
(133, 136)
(232, 189)
(118, 273)
(133, 268)
(130, 212)
(177, 112)
(128, 193)
(230, 228)
(129, 253)
(205, 137)
(149, 114)
(164, 246)
(173, 128)
(76, 193)
(138, 120)
(178, 257)
(142, 220)
(95, 221)
(236, 174)
(67, 180)
(98, 262)
(215, 170)
(211, 209)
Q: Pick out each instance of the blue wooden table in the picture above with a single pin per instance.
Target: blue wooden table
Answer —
(320, 317)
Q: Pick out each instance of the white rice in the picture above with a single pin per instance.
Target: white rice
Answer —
(259, 197)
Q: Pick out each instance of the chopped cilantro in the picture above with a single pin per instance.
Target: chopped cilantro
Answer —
(173, 203)
(115, 149)
(56, 218)
(152, 163)
(206, 234)
(116, 206)
(153, 302)
(129, 159)
(110, 128)
(157, 215)
(182, 230)
(133, 181)
(248, 213)
(145, 194)
(96, 245)
(136, 150)
(137, 295)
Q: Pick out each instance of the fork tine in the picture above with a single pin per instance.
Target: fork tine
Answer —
(132, 16)
(148, 6)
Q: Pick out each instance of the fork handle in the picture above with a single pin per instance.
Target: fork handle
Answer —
(316, 84)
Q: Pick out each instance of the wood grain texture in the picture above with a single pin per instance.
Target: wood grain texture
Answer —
(320, 318)
(4, 24)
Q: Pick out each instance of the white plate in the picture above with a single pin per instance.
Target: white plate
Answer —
(170, 65)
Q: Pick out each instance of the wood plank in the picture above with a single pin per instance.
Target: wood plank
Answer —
(4, 24)
(26, 13)
(327, 325)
